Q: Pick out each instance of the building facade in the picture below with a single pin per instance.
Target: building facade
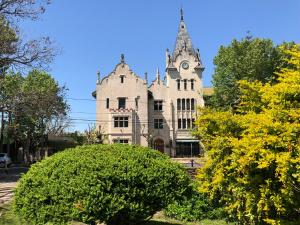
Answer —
(160, 114)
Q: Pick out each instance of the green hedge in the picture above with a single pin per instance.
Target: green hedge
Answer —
(115, 184)
(194, 207)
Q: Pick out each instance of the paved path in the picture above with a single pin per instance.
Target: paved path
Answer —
(6, 192)
(8, 182)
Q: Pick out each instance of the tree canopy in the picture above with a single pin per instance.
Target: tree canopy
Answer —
(14, 51)
(249, 59)
(34, 104)
(253, 153)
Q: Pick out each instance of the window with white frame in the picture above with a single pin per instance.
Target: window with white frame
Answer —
(158, 123)
(121, 121)
(121, 141)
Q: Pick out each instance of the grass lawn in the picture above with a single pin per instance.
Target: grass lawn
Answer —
(7, 217)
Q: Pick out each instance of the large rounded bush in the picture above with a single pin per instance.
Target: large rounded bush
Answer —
(115, 184)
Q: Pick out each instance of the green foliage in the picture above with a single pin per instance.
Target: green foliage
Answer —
(115, 184)
(15, 52)
(8, 40)
(35, 106)
(193, 207)
(253, 154)
(249, 59)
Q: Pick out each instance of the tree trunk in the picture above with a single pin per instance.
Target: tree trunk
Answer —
(26, 152)
(2, 131)
(8, 138)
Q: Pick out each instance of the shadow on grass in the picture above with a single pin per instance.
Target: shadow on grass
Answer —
(159, 223)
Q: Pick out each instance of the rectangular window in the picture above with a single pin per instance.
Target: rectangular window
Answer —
(122, 78)
(178, 84)
(192, 104)
(188, 123)
(183, 123)
(192, 84)
(122, 103)
(188, 104)
(158, 124)
(179, 123)
(185, 84)
(178, 104)
(183, 104)
(121, 121)
(158, 105)
(121, 141)
(107, 103)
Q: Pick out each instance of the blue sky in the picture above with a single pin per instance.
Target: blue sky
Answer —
(93, 33)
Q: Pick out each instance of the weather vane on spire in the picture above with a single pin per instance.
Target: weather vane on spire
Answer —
(181, 13)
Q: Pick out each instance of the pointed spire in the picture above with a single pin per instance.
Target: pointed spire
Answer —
(146, 77)
(157, 75)
(183, 40)
(122, 58)
(181, 14)
(98, 75)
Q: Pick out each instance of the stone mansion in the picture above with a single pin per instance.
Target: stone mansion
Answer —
(160, 114)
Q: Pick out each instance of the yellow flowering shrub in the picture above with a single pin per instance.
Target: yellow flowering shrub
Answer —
(253, 154)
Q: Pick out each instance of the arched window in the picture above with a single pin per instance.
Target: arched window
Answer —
(188, 107)
(185, 84)
(183, 104)
(178, 104)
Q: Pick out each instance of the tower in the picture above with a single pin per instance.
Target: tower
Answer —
(184, 81)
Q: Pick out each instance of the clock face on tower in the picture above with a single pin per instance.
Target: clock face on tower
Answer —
(185, 65)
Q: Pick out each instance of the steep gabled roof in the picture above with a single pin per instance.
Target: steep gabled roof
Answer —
(183, 40)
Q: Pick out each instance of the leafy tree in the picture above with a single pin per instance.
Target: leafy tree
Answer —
(249, 59)
(253, 154)
(34, 105)
(14, 52)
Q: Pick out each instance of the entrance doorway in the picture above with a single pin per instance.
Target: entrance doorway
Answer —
(187, 148)
(159, 145)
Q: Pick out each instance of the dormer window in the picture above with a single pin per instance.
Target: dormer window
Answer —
(122, 78)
